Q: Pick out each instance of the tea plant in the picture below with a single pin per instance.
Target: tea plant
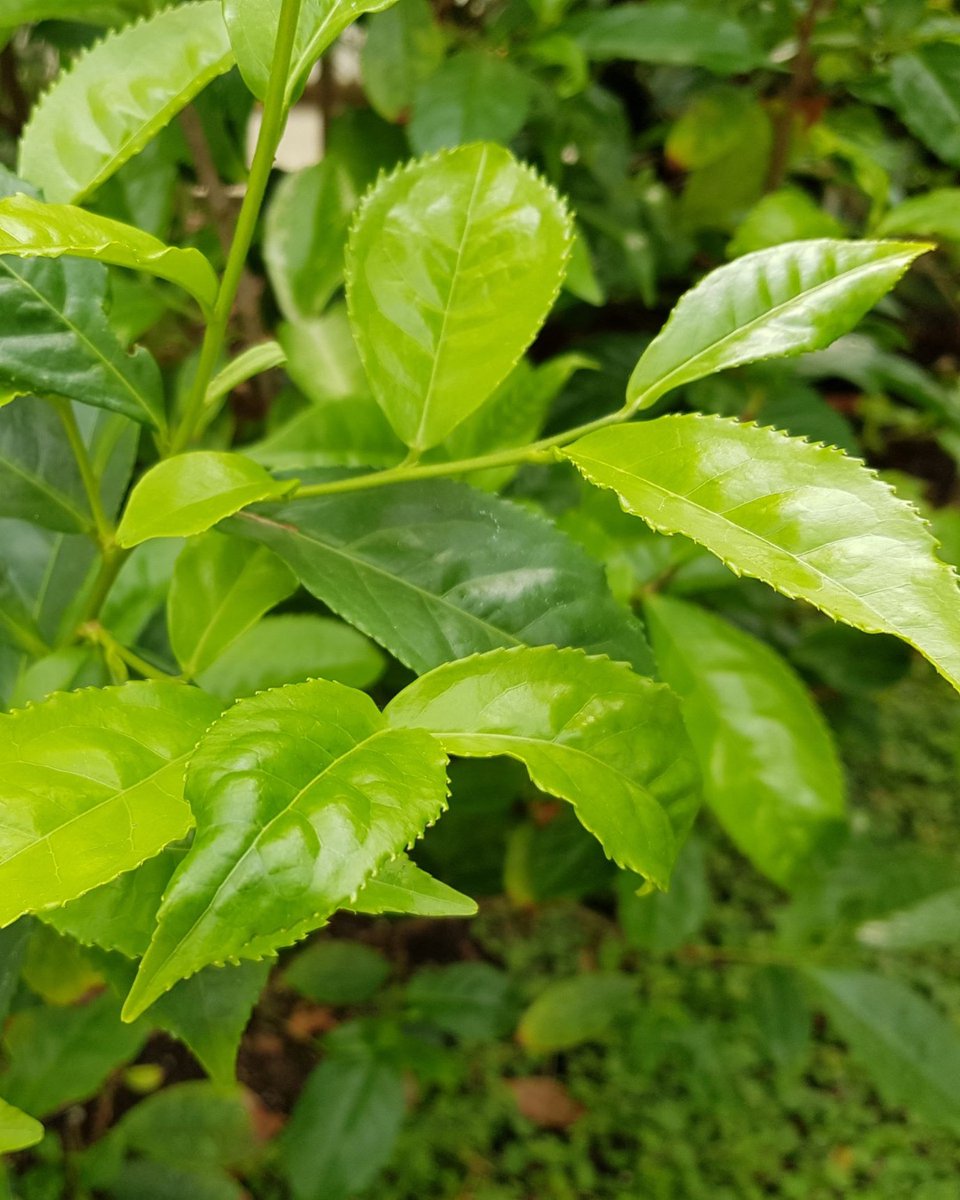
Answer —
(190, 822)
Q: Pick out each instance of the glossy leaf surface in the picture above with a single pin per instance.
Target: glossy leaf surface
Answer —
(770, 767)
(400, 886)
(189, 493)
(806, 519)
(17, 1129)
(81, 133)
(300, 795)
(39, 480)
(221, 587)
(92, 785)
(31, 229)
(588, 730)
(452, 265)
(436, 571)
(770, 304)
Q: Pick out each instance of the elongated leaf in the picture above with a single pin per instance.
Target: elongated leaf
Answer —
(401, 886)
(806, 519)
(300, 795)
(436, 571)
(221, 587)
(404, 46)
(17, 1130)
(910, 1049)
(934, 214)
(25, 12)
(39, 480)
(931, 921)
(452, 265)
(588, 730)
(796, 297)
(770, 767)
(925, 91)
(81, 133)
(189, 493)
(572, 1011)
(253, 32)
(31, 229)
(91, 786)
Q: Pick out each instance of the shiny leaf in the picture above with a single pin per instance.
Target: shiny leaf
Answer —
(806, 519)
(452, 265)
(400, 886)
(17, 1129)
(588, 730)
(39, 480)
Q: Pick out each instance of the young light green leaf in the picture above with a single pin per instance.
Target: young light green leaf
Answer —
(253, 32)
(80, 133)
(587, 729)
(911, 1050)
(31, 229)
(773, 303)
(190, 493)
(452, 265)
(400, 886)
(925, 92)
(292, 648)
(770, 766)
(39, 480)
(100, 12)
(447, 571)
(18, 1131)
(573, 1011)
(92, 785)
(254, 361)
(930, 921)
(805, 519)
(221, 587)
(934, 214)
(300, 795)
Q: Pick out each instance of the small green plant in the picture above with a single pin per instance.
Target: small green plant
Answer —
(243, 786)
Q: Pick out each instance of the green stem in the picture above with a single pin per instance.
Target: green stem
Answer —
(113, 560)
(541, 451)
(88, 476)
(95, 633)
(271, 130)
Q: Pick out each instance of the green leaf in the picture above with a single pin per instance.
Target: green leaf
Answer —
(806, 519)
(31, 229)
(91, 786)
(572, 1011)
(300, 795)
(663, 921)
(770, 767)
(404, 46)
(933, 214)
(343, 1128)
(770, 304)
(337, 973)
(436, 571)
(189, 493)
(26, 12)
(253, 32)
(588, 730)
(469, 1000)
(925, 92)
(39, 480)
(472, 97)
(60, 1056)
(402, 887)
(452, 265)
(251, 362)
(17, 1130)
(79, 134)
(788, 215)
(910, 1049)
(221, 587)
(932, 921)
(291, 649)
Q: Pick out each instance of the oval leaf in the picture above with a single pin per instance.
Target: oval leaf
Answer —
(925, 92)
(770, 767)
(91, 785)
(17, 1130)
(82, 131)
(587, 729)
(189, 493)
(300, 795)
(572, 1011)
(773, 303)
(813, 523)
(452, 265)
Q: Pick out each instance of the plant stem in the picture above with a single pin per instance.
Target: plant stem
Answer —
(541, 451)
(271, 130)
(94, 632)
(88, 476)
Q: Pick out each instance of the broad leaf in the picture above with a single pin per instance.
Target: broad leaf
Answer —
(300, 795)
(221, 587)
(472, 97)
(337, 972)
(453, 264)
(471, 1001)
(436, 571)
(930, 921)
(806, 519)
(100, 12)
(91, 785)
(81, 133)
(17, 1130)
(925, 91)
(39, 480)
(404, 46)
(191, 492)
(577, 1010)
(588, 730)
(911, 1050)
(253, 32)
(402, 887)
(770, 767)
(31, 229)
(934, 214)
(796, 297)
